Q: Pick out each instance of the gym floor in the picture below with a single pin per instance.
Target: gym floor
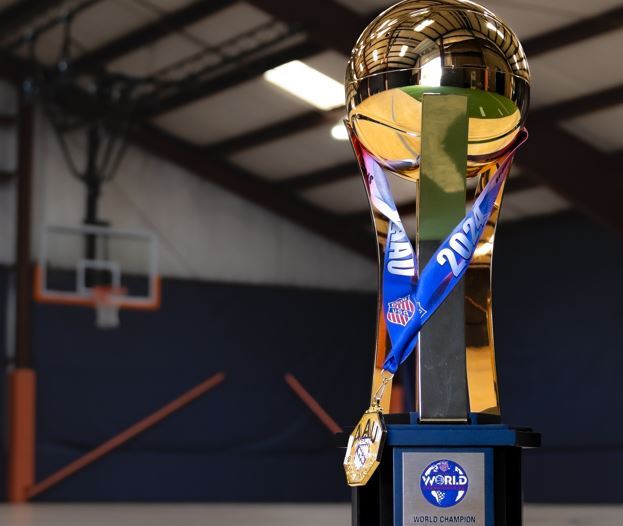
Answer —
(258, 515)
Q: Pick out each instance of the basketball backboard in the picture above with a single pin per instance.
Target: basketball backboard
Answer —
(99, 267)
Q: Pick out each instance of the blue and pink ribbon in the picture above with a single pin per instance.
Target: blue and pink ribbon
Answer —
(409, 299)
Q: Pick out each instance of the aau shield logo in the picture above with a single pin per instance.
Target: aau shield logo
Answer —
(444, 483)
(399, 312)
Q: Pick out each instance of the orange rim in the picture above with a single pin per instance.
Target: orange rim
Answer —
(59, 299)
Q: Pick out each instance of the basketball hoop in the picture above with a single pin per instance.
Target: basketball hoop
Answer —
(107, 301)
(66, 276)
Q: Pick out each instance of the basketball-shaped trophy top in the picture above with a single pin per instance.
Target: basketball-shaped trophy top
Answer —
(420, 47)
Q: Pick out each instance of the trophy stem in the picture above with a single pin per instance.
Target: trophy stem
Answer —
(441, 380)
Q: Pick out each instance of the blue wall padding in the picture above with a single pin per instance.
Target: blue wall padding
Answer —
(236, 440)
(557, 315)
(558, 310)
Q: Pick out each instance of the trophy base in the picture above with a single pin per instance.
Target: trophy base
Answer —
(445, 474)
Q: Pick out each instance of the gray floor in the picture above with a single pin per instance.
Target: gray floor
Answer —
(257, 515)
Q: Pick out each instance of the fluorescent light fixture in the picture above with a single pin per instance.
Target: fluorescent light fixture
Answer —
(308, 84)
(423, 25)
(339, 132)
(403, 50)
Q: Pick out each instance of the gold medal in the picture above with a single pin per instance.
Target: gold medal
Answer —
(365, 444)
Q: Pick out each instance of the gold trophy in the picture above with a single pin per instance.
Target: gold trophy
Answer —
(437, 93)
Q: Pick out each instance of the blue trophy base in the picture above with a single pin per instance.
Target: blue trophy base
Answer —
(446, 474)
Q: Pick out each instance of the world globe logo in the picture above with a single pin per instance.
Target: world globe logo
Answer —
(444, 483)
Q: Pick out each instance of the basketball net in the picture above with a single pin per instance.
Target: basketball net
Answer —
(107, 306)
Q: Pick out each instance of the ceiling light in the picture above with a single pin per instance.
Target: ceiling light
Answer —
(308, 84)
(492, 27)
(424, 24)
(339, 132)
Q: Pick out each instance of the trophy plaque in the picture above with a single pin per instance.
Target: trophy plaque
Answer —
(437, 94)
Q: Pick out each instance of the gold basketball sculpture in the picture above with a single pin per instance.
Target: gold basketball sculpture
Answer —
(435, 46)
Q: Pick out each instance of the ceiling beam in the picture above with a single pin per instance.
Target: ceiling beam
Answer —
(320, 177)
(326, 22)
(575, 32)
(587, 177)
(147, 34)
(275, 131)
(581, 105)
(246, 70)
(254, 189)
(20, 13)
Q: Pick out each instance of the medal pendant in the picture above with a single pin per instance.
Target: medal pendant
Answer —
(365, 447)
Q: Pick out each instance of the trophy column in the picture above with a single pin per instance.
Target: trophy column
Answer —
(441, 379)
(456, 372)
